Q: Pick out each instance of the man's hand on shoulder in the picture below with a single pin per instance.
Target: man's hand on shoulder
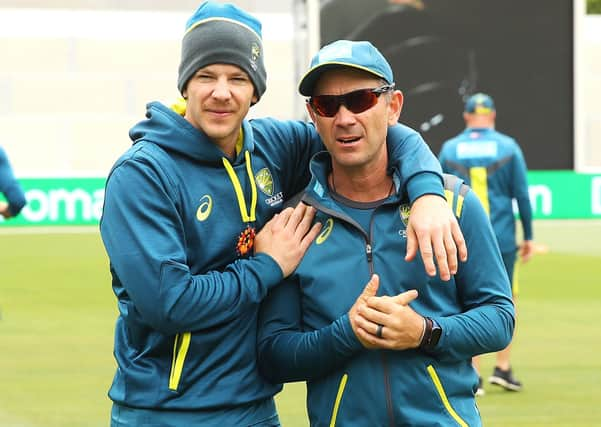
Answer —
(434, 229)
(287, 236)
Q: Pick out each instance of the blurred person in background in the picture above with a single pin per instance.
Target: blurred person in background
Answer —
(10, 189)
(402, 357)
(182, 211)
(493, 165)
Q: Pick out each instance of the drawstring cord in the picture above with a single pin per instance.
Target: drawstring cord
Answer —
(246, 239)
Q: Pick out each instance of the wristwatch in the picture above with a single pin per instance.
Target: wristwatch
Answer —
(431, 335)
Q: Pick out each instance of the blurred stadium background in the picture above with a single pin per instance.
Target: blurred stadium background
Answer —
(76, 75)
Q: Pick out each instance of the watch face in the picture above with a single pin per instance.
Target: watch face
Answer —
(435, 335)
(436, 331)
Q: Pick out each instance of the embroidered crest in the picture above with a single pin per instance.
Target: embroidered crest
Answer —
(404, 213)
(265, 181)
(255, 53)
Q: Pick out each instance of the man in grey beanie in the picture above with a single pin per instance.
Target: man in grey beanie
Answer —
(235, 39)
(182, 213)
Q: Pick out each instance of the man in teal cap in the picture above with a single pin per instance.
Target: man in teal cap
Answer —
(395, 352)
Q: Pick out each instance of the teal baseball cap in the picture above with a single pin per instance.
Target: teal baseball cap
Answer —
(361, 55)
(479, 103)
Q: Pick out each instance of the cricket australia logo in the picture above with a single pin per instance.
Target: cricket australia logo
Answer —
(255, 53)
(404, 214)
(264, 181)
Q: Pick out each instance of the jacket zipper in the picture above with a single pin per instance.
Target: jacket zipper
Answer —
(369, 256)
(387, 389)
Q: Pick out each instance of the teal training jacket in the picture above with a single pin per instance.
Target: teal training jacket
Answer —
(493, 165)
(305, 333)
(188, 298)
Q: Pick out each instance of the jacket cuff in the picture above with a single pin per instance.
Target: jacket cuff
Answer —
(346, 337)
(424, 183)
(271, 273)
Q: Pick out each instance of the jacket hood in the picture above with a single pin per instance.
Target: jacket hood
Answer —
(173, 133)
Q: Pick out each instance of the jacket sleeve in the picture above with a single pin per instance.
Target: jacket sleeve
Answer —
(520, 192)
(408, 152)
(488, 318)
(286, 353)
(144, 239)
(10, 187)
(418, 166)
(291, 144)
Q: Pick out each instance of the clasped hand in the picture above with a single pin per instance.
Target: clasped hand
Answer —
(401, 326)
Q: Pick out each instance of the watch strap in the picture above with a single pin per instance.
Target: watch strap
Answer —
(431, 335)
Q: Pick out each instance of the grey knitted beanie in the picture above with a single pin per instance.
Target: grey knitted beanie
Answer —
(223, 34)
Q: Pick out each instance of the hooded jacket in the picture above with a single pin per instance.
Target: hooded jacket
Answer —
(173, 225)
(305, 332)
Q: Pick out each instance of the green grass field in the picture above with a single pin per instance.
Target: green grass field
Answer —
(57, 313)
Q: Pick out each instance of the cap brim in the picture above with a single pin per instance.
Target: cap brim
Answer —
(308, 81)
(479, 110)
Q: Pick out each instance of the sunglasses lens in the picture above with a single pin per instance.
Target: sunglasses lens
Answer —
(357, 101)
(325, 105)
(360, 100)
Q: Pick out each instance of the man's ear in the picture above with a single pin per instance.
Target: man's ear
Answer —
(395, 107)
(311, 112)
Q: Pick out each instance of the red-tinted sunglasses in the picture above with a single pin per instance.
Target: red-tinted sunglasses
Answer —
(356, 101)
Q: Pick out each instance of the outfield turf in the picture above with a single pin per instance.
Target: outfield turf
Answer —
(57, 313)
